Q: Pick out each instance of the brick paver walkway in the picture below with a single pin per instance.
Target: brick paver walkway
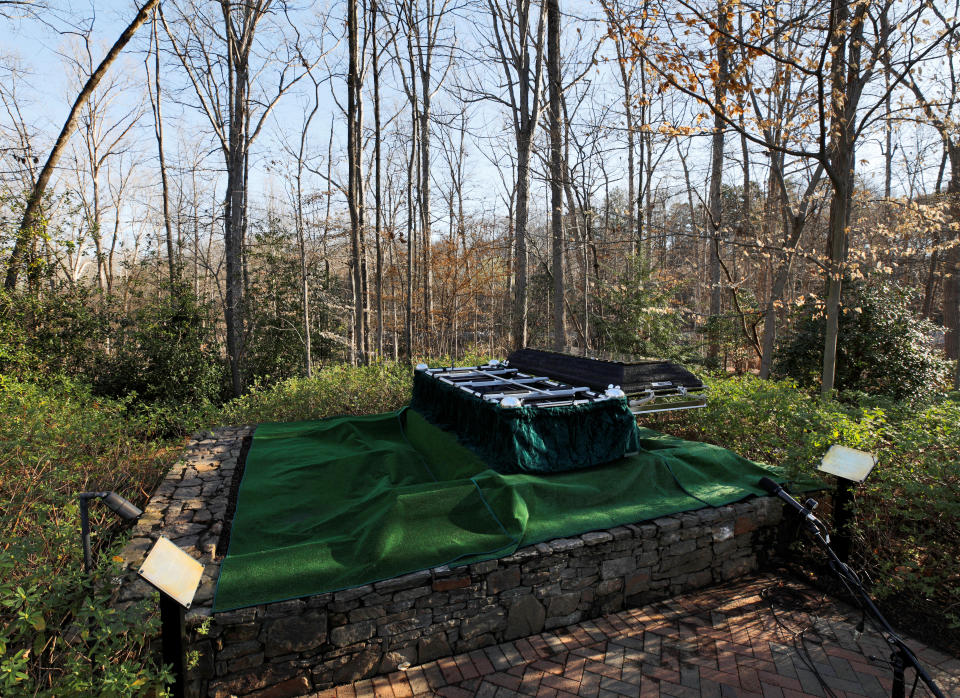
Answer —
(759, 637)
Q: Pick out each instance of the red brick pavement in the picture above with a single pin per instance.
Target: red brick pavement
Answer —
(760, 637)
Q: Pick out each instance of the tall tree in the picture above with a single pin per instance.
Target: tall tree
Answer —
(355, 177)
(29, 223)
(519, 49)
(237, 118)
(714, 202)
(153, 90)
(557, 174)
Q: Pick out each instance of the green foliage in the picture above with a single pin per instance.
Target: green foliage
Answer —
(335, 390)
(637, 318)
(882, 348)
(165, 354)
(57, 635)
(56, 334)
(908, 522)
(275, 342)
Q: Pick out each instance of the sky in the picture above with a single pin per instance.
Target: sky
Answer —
(40, 48)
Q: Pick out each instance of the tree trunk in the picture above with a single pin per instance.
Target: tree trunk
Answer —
(158, 132)
(354, 179)
(556, 172)
(844, 75)
(714, 203)
(28, 223)
(377, 215)
(951, 270)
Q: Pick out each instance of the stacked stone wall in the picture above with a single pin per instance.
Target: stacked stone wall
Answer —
(302, 645)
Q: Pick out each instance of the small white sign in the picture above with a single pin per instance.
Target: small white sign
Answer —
(172, 571)
(848, 463)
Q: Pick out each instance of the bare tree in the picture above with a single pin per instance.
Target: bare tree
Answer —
(557, 172)
(153, 90)
(225, 98)
(520, 52)
(28, 223)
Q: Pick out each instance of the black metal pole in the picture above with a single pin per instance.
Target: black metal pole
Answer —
(172, 631)
(85, 532)
(902, 655)
(842, 518)
(899, 688)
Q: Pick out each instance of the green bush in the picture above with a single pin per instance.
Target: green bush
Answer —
(57, 635)
(335, 390)
(883, 347)
(637, 318)
(165, 355)
(908, 524)
(52, 335)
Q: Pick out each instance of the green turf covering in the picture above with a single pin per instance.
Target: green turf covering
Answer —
(351, 500)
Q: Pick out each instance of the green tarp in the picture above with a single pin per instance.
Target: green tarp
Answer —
(346, 501)
(528, 439)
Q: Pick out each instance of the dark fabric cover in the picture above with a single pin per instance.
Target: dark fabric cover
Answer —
(529, 439)
(632, 377)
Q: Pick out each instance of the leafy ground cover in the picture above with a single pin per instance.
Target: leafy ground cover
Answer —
(57, 636)
(907, 529)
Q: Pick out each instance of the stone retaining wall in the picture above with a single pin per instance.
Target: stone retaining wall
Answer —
(293, 647)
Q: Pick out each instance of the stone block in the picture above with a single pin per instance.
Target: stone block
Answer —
(404, 625)
(411, 594)
(637, 582)
(241, 632)
(503, 579)
(296, 686)
(291, 607)
(745, 524)
(525, 617)
(359, 666)
(358, 615)
(563, 604)
(609, 586)
(684, 547)
(565, 545)
(353, 633)
(450, 583)
(596, 538)
(432, 647)
(482, 568)
(617, 567)
(394, 658)
(248, 661)
(488, 622)
(521, 555)
(295, 634)
(665, 524)
(252, 680)
(352, 594)
(406, 581)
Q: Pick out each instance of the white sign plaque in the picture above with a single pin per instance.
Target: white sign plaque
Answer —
(848, 463)
(172, 571)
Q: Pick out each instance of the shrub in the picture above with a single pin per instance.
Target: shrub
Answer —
(882, 348)
(57, 635)
(907, 531)
(335, 390)
(166, 355)
(637, 318)
(52, 335)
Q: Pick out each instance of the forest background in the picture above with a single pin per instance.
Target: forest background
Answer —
(245, 212)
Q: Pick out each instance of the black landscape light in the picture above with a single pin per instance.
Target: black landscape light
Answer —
(121, 506)
(850, 466)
